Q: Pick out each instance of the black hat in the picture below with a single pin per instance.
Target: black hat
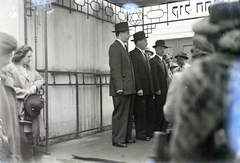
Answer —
(33, 105)
(160, 43)
(182, 54)
(139, 36)
(223, 16)
(121, 27)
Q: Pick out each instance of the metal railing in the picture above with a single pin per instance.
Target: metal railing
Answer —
(98, 79)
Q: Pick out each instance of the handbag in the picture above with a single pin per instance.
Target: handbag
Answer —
(33, 104)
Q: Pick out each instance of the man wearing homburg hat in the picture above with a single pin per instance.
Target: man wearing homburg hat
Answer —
(143, 105)
(160, 82)
(122, 87)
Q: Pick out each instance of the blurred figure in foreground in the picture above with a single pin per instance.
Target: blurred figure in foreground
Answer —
(205, 95)
(201, 48)
(10, 150)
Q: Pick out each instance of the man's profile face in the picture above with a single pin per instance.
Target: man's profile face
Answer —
(180, 61)
(142, 44)
(125, 36)
(160, 50)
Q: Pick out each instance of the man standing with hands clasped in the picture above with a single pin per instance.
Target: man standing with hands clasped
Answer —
(143, 104)
(122, 87)
(160, 82)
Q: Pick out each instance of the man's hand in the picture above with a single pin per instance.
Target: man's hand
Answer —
(120, 91)
(140, 92)
(158, 92)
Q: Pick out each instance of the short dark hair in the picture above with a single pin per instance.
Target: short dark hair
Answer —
(21, 53)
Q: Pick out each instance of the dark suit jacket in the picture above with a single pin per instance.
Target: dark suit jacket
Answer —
(142, 72)
(160, 75)
(121, 70)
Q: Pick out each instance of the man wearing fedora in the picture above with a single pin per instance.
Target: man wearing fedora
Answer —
(160, 82)
(122, 87)
(143, 104)
(181, 61)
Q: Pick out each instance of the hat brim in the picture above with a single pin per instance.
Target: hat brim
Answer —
(161, 46)
(204, 26)
(169, 58)
(181, 56)
(121, 31)
(149, 51)
(139, 39)
(173, 66)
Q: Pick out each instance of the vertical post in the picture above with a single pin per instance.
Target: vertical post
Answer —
(167, 15)
(77, 104)
(101, 102)
(46, 77)
(35, 33)
(25, 22)
(143, 21)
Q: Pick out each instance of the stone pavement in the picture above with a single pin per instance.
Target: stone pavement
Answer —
(96, 148)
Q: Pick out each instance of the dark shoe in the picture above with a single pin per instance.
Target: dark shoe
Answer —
(145, 139)
(122, 145)
(130, 141)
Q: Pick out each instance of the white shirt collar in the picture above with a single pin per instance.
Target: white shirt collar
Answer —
(122, 43)
(143, 52)
(159, 57)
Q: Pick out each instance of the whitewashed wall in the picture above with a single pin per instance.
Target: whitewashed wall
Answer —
(11, 18)
(75, 43)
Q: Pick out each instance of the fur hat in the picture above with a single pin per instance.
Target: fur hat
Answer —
(224, 16)
(7, 42)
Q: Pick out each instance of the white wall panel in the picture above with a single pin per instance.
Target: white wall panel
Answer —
(62, 110)
(75, 43)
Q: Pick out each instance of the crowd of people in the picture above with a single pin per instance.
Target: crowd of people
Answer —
(139, 84)
(196, 103)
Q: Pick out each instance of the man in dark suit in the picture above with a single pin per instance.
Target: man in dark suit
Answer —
(143, 104)
(122, 87)
(160, 78)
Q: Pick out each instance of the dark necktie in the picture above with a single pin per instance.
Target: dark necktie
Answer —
(126, 47)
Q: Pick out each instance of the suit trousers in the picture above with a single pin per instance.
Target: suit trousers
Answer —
(144, 116)
(122, 118)
(161, 123)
